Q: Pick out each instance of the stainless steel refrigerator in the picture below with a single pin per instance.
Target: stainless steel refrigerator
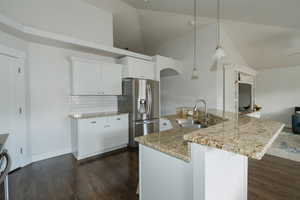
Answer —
(141, 100)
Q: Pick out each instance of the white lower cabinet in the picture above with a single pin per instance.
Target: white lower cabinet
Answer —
(94, 136)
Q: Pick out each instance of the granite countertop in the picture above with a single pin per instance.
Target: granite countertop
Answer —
(238, 134)
(95, 115)
(3, 138)
(170, 141)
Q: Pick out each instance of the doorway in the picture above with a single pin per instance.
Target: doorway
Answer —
(12, 107)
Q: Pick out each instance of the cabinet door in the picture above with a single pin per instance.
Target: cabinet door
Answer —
(117, 133)
(90, 136)
(111, 79)
(86, 78)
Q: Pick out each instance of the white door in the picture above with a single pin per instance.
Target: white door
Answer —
(111, 79)
(12, 119)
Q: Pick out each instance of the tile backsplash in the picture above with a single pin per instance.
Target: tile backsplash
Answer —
(91, 104)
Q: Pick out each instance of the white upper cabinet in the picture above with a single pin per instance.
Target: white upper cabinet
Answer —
(111, 79)
(137, 68)
(91, 77)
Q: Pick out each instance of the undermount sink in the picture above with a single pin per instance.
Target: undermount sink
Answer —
(189, 123)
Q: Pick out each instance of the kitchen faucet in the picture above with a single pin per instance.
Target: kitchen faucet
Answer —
(196, 108)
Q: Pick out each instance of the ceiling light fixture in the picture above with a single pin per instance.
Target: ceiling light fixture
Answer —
(219, 53)
(195, 71)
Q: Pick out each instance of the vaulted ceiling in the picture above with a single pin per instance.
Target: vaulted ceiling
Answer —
(269, 12)
(266, 32)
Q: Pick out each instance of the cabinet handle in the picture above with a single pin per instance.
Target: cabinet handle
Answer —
(118, 118)
(106, 126)
(93, 122)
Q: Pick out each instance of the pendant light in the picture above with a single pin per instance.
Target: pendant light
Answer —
(220, 53)
(195, 70)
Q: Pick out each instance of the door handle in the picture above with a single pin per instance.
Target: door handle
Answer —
(149, 99)
(93, 122)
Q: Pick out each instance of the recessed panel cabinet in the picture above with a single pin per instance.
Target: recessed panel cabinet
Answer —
(90, 77)
(95, 136)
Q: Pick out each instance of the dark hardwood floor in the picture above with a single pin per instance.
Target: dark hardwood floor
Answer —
(115, 177)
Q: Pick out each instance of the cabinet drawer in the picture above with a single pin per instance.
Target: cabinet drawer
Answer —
(118, 118)
(86, 124)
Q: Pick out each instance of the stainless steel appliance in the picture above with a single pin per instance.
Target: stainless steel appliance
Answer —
(141, 100)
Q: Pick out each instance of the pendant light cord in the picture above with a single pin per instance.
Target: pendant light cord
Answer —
(218, 23)
(195, 33)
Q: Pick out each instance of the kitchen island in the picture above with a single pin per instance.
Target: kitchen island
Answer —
(203, 164)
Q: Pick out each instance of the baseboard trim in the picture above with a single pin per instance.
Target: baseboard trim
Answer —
(99, 153)
(44, 156)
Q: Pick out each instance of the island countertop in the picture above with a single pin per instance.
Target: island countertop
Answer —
(243, 135)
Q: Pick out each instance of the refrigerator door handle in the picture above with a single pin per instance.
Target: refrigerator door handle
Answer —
(147, 96)
(149, 102)
(151, 97)
(146, 122)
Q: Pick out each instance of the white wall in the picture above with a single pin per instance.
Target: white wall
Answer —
(278, 92)
(181, 90)
(48, 69)
(50, 101)
(13, 42)
(70, 17)
(126, 24)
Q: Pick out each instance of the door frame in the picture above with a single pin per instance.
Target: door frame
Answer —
(20, 103)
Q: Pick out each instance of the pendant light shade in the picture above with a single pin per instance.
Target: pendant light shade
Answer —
(195, 74)
(219, 53)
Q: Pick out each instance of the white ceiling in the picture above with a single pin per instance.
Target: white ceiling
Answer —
(159, 27)
(265, 46)
(283, 13)
(262, 46)
(264, 31)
